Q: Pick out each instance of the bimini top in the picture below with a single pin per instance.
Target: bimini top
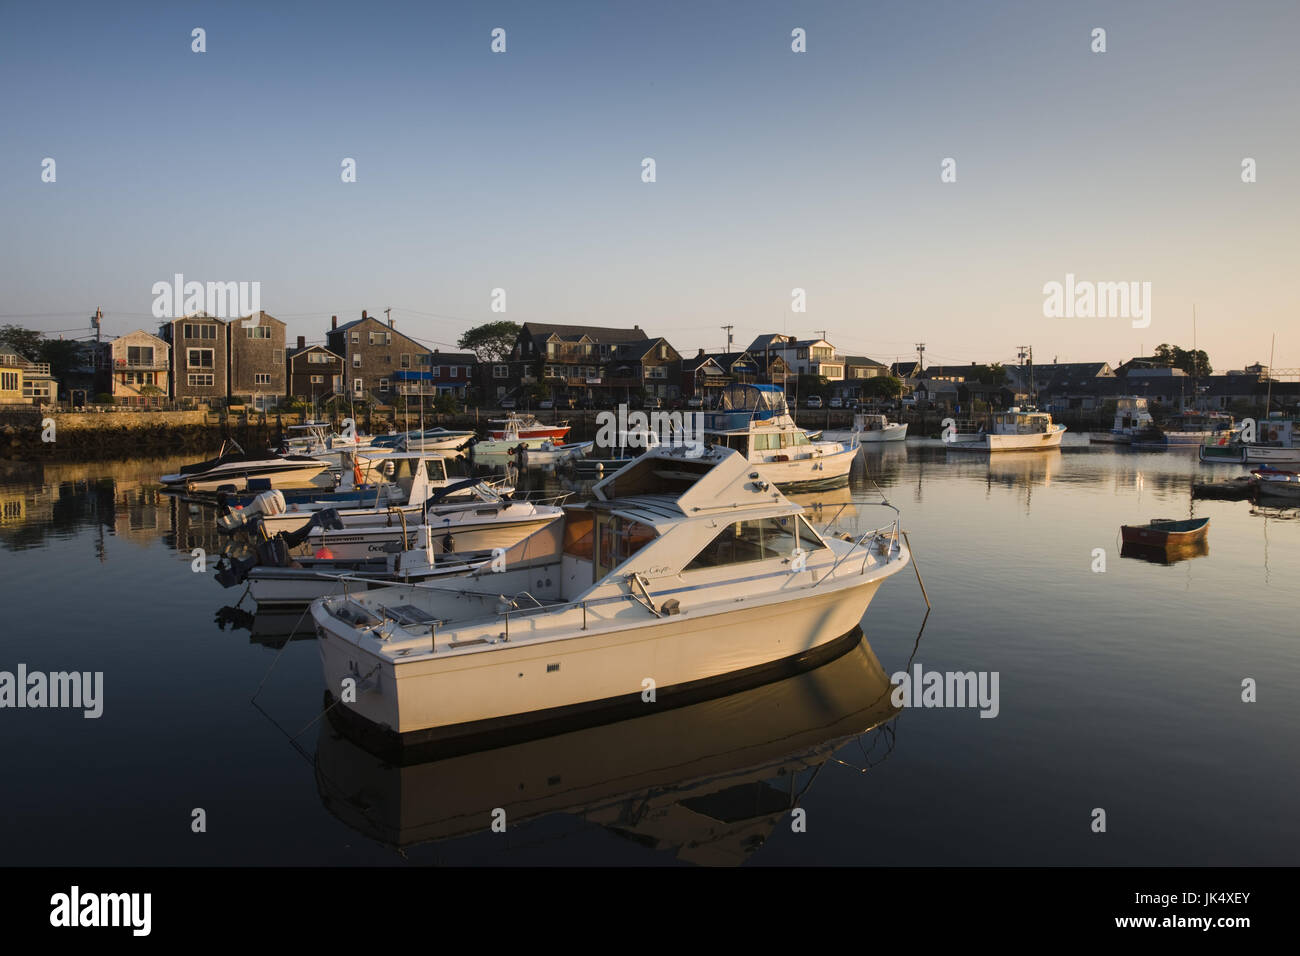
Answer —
(670, 482)
(741, 404)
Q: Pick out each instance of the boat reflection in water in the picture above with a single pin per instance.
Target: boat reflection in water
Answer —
(709, 780)
(1168, 554)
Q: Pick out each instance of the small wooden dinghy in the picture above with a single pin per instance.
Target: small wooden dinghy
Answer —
(1276, 482)
(1166, 532)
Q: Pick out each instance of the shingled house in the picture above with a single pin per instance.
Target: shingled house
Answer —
(590, 363)
(200, 352)
(313, 372)
(257, 360)
(377, 358)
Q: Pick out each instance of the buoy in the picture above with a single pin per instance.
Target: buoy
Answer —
(325, 554)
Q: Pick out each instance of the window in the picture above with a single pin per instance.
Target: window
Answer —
(278, 358)
(319, 358)
(383, 384)
(257, 331)
(8, 381)
(195, 331)
(200, 379)
(200, 358)
(356, 360)
(404, 360)
(657, 371)
(356, 338)
(388, 360)
(801, 353)
(500, 371)
(437, 371)
(261, 378)
(358, 386)
(756, 540)
(318, 379)
(139, 355)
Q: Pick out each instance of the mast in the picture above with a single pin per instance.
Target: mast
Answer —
(1268, 401)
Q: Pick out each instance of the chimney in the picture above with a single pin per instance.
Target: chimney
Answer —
(302, 341)
(700, 354)
(334, 322)
(390, 323)
(363, 314)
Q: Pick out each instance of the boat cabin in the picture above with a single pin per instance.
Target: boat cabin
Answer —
(1017, 422)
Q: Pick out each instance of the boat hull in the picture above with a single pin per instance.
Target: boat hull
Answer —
(349, 545)
(238, 479)
(820, 470)
(896, 432)
(1036, 441)
(585, 673)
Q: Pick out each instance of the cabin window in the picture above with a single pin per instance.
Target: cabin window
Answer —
(578, 534)
(745, 541)
(435, 469)
(617, 539)
(767, 442)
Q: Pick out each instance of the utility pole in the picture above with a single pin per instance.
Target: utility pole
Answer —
(389, 313)
(727, 329)
(95, 321)
(920, 358)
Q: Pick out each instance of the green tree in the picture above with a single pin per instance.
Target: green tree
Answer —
(23, 341)
(882, 386)
(492, 341)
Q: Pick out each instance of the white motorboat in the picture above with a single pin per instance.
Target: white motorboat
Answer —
(1131, 418)
(415, 480)
(1016, 430)
(550, 454)
(686, 571)
(877, 428)
(318, 440)
(755, 421)
(428, 439)
(233, 467)
(307, 578)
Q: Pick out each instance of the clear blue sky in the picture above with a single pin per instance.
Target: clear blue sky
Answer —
(775, 170)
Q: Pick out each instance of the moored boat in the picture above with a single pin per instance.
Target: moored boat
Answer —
(1166, 532)
(233, 467)
(684, 571)
(526, 428)
(755, 421)
(1276, 482)
(1016, 429)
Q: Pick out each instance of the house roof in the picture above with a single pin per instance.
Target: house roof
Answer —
(309, 348)
(540, 331)
(859, 361)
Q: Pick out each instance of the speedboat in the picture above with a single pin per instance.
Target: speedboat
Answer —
(755, 421)
(551, 454)
(1016, 429)
(687, 571)
(233, 467)
(428, 439)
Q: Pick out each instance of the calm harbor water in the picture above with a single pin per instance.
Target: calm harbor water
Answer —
(1118, 690)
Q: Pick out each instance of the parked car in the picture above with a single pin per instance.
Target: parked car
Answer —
(814, 401)
(837, 402)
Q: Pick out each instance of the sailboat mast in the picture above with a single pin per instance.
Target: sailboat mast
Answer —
(1268, 401)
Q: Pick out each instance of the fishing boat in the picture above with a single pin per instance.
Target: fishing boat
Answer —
(685, 571)
(526, 428)
(1131, 418)
(1278, 444)
(1276, 483)
(233, 467)
(755, 421)
(871, 428)
(504, 443)
(1166, 532)
(1016, 429)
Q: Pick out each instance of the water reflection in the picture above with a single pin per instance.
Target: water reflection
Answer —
(709, 781)
(1170, 554)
